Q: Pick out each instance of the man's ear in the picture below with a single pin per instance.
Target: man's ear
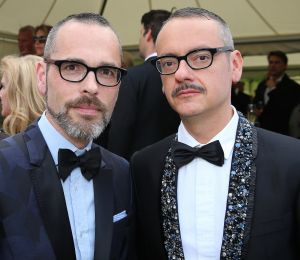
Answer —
(148, 36)
(41, 77)
(237, 65)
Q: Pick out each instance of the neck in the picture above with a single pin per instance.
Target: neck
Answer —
(204, 127)
(276, 77)
(149, 50)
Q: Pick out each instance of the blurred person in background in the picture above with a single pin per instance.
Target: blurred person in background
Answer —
(40, 37)
(127, 60)
(141, 100)
(25, 40)
(20, 99)
(239, 99)
(277, 95)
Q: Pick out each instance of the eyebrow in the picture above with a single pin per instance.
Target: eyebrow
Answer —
(84, 62)
(193, 49)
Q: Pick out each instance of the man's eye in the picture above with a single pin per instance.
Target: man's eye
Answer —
(202, 57)
(71, 66)
(167, 63)
(107, 72)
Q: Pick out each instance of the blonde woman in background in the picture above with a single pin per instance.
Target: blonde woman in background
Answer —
(21, 102)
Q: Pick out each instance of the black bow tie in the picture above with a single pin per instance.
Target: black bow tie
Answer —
(212, 152)
(89, 163)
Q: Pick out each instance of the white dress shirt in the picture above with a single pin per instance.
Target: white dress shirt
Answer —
(79, 193)
(202, 195)
(154, 54)
(269, 89)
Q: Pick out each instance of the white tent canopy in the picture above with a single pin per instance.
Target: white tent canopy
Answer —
(258, 26)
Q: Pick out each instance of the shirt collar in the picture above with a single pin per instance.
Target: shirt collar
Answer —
(154, 54)
(226, 136)
(54, 139)
(280, 78)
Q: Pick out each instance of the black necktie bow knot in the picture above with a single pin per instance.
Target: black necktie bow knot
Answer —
(89, 163)
(212, 152)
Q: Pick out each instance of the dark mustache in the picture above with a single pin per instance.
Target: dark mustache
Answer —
(88, 101)
(185, 86)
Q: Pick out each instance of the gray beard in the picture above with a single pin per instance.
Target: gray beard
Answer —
(80, 130)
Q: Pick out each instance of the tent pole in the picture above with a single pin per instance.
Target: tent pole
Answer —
(150, 4)
(103, 7)
(49, 11)
(261, 17)
(2, 3)
(198, 4)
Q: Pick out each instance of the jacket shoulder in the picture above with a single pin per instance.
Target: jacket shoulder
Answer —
(154, 151)
(274, 144)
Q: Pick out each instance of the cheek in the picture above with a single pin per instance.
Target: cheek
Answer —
(168, 94)
(112, 97)
(168, 83)
(56, 96)
(108, 98)
(5, 107)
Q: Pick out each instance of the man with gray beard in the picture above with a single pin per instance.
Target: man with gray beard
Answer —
(61, 195)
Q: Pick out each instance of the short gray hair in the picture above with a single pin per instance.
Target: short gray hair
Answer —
(225, 32)
(87, 18)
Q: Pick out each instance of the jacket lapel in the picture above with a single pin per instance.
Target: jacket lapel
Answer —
(104, 198)
(169, 208)
(49, 194)
(241, 193)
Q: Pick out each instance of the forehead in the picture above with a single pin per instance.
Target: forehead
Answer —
(275, 58)
(40, 31)
(25, 34)
(87, 41)
(181, 35)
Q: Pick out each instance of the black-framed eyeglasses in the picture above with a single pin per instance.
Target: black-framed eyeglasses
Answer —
(40, 39)
(75, 71)
(196, 59)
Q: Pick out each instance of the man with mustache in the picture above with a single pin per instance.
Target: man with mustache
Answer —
(219, 188)
(61, 196)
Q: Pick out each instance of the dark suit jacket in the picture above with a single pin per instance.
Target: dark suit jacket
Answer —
(282, 101)
(274, 232)
(142, 115)
(34, 221)
(240, 101)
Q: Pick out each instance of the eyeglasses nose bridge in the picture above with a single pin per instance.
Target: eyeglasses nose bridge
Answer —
(94, 70)
(183, 58)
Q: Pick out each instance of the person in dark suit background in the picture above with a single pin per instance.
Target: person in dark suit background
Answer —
(278, 95)
(239, 99)
(220, 188)
(61, 196)
(142, 114)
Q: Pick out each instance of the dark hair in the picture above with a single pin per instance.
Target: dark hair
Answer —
(188, 12)
(27, 28)
(153, 20)
(88, 18)
(43, 27)
(280, 55)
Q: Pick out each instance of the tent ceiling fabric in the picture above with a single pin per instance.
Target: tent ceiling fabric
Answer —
(257, 26)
